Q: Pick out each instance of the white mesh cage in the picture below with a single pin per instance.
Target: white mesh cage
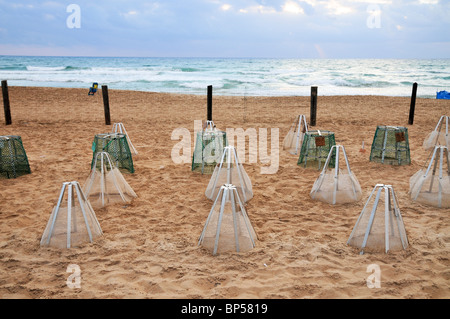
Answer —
(227, 227)
(336, 185)
(208, 150)
(105, 184)
(431, 185)
(230, 171)
(380, 224)
(294, 138)
(440, 135)
(120, 128)
(72, 221)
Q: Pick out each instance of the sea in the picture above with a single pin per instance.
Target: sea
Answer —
(233, 76)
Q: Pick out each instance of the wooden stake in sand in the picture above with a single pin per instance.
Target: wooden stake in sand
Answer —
(313, 106)
(209, 101)
(413, 104)
(6, 102)
(106, 104)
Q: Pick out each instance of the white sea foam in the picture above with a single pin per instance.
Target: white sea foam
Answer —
(250, 77)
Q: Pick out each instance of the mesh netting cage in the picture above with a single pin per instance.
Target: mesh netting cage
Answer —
(431, 185)
(120, 128)
(116, 145)
(227, 227)
(337, 185)
(106, 184)
(315, 149)
(380, 225)
(208, 149)
(390, 146)
(72, 222)
(294, 138)
(230, 171)
(440, 135)
(13, 158)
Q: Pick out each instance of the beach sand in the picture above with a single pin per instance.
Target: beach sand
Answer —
(149, 247)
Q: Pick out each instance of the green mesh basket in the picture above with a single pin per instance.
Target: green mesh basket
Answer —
(116, 145)
(208, 151)
(13, 158)
(315, 149)
(390, 146)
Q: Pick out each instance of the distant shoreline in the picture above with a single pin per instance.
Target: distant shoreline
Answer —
(221, 95)
(207, 57)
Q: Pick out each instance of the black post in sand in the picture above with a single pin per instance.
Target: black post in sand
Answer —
(209, 101)
(313, 113)
(413, 104)
(6, 102)
(106, 104)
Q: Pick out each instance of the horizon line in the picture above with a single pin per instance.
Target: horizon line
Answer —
(214, 57)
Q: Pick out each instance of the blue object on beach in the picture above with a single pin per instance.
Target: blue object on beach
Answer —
(443, 95)
(93, 89)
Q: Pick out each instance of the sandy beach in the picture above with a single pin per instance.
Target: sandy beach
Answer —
(149, 247)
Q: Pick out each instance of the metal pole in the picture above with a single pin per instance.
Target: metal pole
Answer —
(219, 223)
(413, 104)
(69, 213)
(6, 104)
(209, 102)
(313, 106)
(106, 104)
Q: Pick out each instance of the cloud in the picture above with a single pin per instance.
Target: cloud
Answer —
(20, 6)
(260, 9)
(53, 4)
(292, 7)
(225, 7)
(292, 28)
(379, 2)
(49, 16)
(428, 1)
(310, 2)
(336, 8)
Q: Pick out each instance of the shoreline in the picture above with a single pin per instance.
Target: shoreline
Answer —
(215, 94)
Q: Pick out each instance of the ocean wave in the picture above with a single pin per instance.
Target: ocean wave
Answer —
(55, 68)
(232, 76)
(187, 69)
(365, 84)
(172, 85)
(45, 68)
(13, 68)
(232, 84)
(143, 81)
(75, 68)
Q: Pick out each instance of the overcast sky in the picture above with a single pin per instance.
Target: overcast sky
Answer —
(228, 28)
